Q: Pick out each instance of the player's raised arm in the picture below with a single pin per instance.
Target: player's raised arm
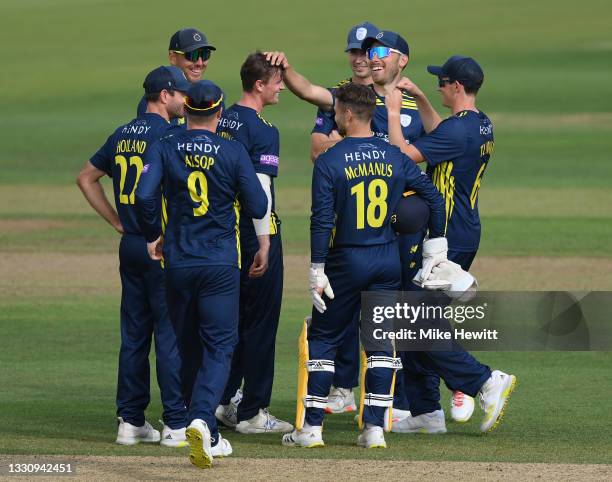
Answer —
(429, 116)
(88, 181)
(300, 85)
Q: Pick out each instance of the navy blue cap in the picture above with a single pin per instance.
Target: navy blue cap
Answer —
(188, 39)
(204, 98)
(165, 77)
(358, 33)
(464, 69)
(388, 39)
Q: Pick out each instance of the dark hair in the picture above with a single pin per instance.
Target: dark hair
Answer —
(255, 68)
(470, 87)
(154, 97)
(361, 99)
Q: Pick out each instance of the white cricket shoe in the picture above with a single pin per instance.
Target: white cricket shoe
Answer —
(222, 449)
(340, 400)
(432, 422)
(227, 415)
(462, 406)
(263, 422)
(128, 434)
(173, 437)
(399, 414)
(493, 396)
(309, 437)
(198, 436)
(372, 437)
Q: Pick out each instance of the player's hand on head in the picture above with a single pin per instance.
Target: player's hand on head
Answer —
(393, 101)
(277, 59)
(260, 264)
(319, 285)
(156, 249)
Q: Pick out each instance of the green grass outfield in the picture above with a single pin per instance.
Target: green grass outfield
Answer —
(72, 72)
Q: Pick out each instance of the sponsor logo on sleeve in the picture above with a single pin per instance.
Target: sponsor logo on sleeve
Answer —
(268, 159)
(319, 121)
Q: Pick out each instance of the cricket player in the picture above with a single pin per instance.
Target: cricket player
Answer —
(261, 279)
(388, 55)
(324, 135)
(457, 152)
(203, 177)
(190, 51)
(143, 293)
(356, 186)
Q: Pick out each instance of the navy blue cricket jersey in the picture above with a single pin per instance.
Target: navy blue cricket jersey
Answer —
(261, 140)
(122, 159)
(457, 154)
(203, 176)
(410, 119)
(356, 186)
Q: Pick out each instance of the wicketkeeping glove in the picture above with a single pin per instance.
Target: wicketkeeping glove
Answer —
(318, 280)
(434, 252)
(449, 277)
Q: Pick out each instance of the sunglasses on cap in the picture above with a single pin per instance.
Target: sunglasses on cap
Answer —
(444, 82)
(381, 52)
(194, 55)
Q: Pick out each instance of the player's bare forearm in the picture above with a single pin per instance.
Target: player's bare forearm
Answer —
(88, 181)
(319, 143)
(429, 116)
(260, 260)
(300, 85)
(306, 90)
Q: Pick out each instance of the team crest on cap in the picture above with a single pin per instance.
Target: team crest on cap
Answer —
(405, 120)
(380, 35)
(361, 33)
(197, 37)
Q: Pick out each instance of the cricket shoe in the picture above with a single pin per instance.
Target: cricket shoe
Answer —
(493, 397)
(432, 422)
(462, 406)
(198, 436)
(399, 414)
(309, 437)
(222, 449)
(227, 415)
(128, 434)
(372, 437)
(263, 422)
(340, 400)
(173, 437)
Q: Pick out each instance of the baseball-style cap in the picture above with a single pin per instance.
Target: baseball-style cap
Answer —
(165, 77)
(464, 69)
(204, 98)
(189, 39)
(389, 39)
(358, 33)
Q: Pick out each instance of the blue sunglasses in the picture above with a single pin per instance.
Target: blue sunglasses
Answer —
(381, 52)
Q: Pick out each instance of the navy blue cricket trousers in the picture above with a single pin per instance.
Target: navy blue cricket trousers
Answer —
(458, 368)
(203, 305)
(144, 313)
(260, 305)
(350, 271)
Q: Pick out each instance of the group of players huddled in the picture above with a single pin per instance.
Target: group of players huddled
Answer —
(201, 260)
